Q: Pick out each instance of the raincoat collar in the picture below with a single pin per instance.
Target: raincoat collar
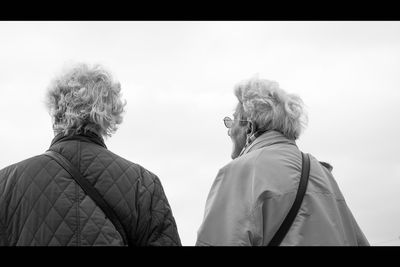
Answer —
(89, 137)
(266, 139)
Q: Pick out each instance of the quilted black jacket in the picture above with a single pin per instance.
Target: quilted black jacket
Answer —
(41, 205)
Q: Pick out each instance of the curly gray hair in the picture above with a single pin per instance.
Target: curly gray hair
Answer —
(85, 98)
(270, 108)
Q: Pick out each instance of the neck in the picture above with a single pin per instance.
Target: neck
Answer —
(89, 135)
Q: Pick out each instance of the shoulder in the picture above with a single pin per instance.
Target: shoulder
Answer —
(143, 175)
(322, 180)
(238, 173)
(247, 164)
(148, 187)
(245, 161)
(270, 172)
(10, 175)
(22, 165)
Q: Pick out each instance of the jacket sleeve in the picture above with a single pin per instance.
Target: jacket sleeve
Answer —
(3, 237)
(360, 238)
(3, 182)
(226, 219)
(157, 226)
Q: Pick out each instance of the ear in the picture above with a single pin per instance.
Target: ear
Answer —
(250, 128)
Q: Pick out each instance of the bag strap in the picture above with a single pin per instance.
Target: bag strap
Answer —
(287, 223)
(90, 191)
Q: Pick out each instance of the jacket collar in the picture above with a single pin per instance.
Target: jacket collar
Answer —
(268, 138)
(89, 137)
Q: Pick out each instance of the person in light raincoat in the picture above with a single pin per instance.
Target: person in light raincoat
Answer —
(252, 195)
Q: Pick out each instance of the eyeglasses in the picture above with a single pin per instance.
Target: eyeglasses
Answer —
(229, 122)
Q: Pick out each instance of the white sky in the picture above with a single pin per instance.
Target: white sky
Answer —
(178, 78)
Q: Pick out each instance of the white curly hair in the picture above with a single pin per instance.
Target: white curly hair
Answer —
(85, 98)
(270, 108)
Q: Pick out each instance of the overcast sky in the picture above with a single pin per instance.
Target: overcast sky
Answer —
(177, 78)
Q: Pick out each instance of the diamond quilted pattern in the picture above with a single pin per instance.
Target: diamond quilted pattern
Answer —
(37, 206)
(40, 204)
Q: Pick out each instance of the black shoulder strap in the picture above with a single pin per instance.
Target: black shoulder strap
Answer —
(287, 223)
(90, 191)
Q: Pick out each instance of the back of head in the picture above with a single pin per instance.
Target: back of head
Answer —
(270, 108)
(85, 98)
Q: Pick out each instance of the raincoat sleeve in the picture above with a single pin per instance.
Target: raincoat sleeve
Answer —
(226, 217)
(361, 240)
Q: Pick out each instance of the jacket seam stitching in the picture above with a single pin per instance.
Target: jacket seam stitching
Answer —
(204, 243)
(273, 195)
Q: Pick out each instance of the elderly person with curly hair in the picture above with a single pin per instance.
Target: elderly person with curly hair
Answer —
(252, 195)
(79, 193)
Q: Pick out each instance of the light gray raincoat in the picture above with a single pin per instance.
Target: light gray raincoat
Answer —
(251, 196)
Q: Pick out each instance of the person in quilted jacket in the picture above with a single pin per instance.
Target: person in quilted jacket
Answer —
(42, 205)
